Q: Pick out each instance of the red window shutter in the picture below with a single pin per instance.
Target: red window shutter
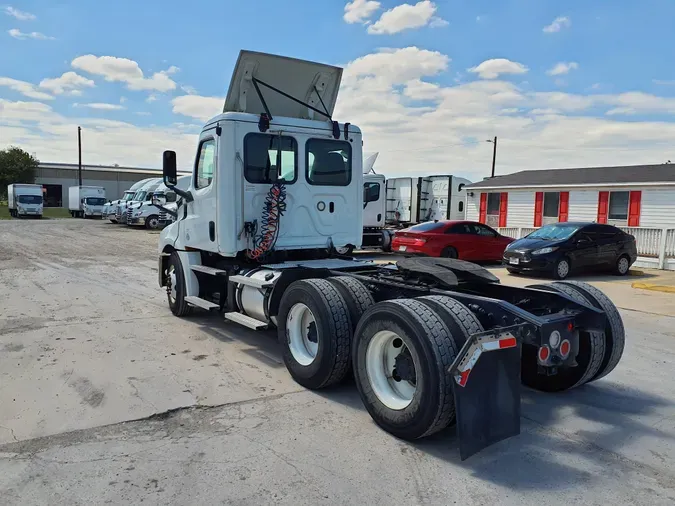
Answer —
(634, 209)
(538, 209)
(563, 211)
(482, 217)
(503, 208)
(603, 206)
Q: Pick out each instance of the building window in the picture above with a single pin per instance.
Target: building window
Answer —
(260, 158)
(207, 154)
(618, 205)
(551, 204)
(493, 201)
(329, 163)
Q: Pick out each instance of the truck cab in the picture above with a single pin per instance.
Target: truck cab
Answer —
(117, 212)
(272, 175)
(148, 214)
(143, 194)
(25, 200)
(375, 235)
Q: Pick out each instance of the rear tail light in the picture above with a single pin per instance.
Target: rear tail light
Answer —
(420, 242)
(565, 348)
(544, 353)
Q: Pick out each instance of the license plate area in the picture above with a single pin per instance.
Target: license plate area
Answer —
(402, 248)
(514, 261)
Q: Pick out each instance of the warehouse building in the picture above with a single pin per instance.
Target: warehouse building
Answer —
(56, 178)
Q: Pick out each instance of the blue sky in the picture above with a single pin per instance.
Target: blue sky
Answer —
(561, 83)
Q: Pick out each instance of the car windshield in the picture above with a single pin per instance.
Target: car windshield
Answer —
(95, 201)
(427, 227)
(30, 199)
(557, 232)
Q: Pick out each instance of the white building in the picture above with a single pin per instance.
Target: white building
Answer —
(639, 198)
(56, 178)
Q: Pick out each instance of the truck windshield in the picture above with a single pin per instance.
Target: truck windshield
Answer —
(128, 196)
(95, 201)
(30, 199)
(140, 196)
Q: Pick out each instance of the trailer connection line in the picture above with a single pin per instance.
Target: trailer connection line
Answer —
(275, 206)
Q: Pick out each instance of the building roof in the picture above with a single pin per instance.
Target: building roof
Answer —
(105, 168)
(590, 176)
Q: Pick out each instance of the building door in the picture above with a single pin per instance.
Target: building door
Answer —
(53, 195)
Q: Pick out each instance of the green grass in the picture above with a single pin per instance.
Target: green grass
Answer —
(48, 212)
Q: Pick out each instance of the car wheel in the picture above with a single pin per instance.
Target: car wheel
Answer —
(512, 271)
(561, 269)
(622, 265)
(449, 252)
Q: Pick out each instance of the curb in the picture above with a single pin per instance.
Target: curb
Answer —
(654, 288)
(636, 273)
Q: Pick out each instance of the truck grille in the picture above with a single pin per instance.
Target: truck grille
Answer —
(163, 217)
(129, 214)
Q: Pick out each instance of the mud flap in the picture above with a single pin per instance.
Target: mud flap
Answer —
(486, 387)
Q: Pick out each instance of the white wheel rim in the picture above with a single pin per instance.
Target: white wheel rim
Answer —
(381, 354)
(172, 280)
(343, 250)
(563, 269)
(623, 265)
(301, 332)
(153, 223)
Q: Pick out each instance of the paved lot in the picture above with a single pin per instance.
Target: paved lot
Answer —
(94, 371)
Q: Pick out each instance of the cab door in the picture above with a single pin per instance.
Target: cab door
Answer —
(200, 222)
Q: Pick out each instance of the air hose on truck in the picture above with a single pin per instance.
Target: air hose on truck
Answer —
(275, 205)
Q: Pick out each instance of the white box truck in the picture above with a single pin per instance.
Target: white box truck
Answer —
(277, 185)
(86, 201)
(24, 200)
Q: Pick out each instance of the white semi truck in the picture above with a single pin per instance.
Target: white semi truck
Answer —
(277, 186)
(413, 200)
(143, 192)
(86, 201)
(148, 214)
(24, 200)
(113, 209)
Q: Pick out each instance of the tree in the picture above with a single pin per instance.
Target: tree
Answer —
(16, 166)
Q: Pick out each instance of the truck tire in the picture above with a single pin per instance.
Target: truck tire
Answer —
(152, 222)
(315, 330)
(461, 322)
(589, 358)
(615, 334)
(355, 294)
(408, 392)
(175, 289)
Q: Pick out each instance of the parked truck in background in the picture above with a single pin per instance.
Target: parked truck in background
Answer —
(140, 194)
(113, 209)
(413, 200)
(147, 214)
(278, 184)
(25, 200)
(86, 201)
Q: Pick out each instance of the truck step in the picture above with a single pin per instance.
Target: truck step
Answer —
(208, 270)
(199, 302)
(245, 320)
(255, 283)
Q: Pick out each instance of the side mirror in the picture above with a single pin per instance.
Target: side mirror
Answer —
(169, 170)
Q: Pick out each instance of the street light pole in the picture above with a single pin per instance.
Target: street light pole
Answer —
(494, 154)
(79, 156)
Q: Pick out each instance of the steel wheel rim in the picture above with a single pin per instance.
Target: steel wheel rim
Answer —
(153, 223)
(380, 360)
(172, 284)
(563, 269)
(342, 250)
(623, 265)
(300, 325)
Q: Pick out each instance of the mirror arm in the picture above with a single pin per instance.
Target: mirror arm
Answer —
(185, 194)
(167, 211)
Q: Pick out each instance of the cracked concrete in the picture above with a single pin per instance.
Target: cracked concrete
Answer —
(105, 398)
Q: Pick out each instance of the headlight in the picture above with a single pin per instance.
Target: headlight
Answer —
(544, 251)
(509, 245)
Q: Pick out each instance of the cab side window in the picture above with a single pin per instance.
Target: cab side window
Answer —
(205, 163)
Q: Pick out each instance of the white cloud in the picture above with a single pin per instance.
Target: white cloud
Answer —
(558, 24)
(190, 90)
(406, 17)
(101, 106)
(491, 69)
(360, 11)
(562, 68)
(20, 15)
(27, 89)
(18, 34)
(69, 82)
(152, 98)
(123, 100)
(113, 69)
(397, 65)
(198, 107)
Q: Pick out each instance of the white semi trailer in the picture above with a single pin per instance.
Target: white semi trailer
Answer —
(24, 200)
(86, 201)
(412, 200)
(277, 186)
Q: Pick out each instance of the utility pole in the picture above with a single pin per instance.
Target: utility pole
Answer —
(494, 155)
(79, 156)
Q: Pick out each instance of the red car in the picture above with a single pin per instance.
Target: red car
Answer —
(466, 240)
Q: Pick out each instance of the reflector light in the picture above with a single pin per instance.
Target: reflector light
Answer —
(570, 326)
(565, 348)
(554, 339)
(544, 353)
(509, 342)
